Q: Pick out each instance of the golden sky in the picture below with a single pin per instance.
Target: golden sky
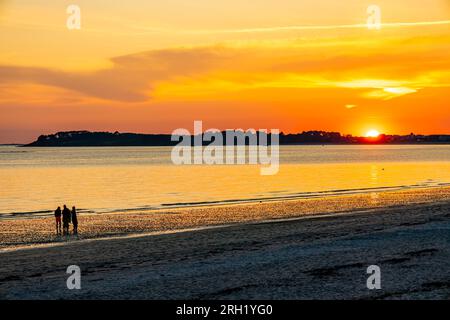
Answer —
(154, 66)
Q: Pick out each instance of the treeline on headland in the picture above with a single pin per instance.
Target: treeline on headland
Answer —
(106, 139)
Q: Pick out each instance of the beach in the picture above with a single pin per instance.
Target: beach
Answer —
(298, 249)
(224, 150)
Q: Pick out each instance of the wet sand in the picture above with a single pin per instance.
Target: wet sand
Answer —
(21, 233)
(316, 253)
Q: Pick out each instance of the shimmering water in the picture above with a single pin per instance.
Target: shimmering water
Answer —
(36, 180)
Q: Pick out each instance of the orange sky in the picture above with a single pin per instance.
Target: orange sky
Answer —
(147, 66)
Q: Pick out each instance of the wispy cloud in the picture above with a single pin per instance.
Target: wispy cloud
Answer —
(390, 93)
(386, 70)
(130, 79)
(319, 27)
(133, 29)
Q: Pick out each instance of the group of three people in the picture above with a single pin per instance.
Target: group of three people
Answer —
(67, 217)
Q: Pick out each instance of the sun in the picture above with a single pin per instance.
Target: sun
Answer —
(373, 133)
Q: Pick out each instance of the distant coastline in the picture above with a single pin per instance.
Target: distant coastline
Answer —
(116, 139)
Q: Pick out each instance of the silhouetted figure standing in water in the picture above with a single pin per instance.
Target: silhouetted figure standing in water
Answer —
(74, 220)
(58, 220)
(66, 219)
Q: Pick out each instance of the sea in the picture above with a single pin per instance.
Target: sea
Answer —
(34, 181)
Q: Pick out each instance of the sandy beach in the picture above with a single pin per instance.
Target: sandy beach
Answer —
(29, 232)
(300, 249)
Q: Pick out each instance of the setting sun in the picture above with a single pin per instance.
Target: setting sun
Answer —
(372, 134)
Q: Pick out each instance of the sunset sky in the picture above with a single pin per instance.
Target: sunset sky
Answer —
(154, 66)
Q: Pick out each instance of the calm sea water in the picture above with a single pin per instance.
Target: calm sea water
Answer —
(36, 180)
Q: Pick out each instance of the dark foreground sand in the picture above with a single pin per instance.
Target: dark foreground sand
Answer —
(311, 257)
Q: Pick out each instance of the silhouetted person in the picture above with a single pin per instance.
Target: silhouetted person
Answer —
(58, 220)
(66, 219)
(74, 220)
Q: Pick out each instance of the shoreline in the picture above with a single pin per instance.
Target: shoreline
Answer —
(229, 202)
(28, 233)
